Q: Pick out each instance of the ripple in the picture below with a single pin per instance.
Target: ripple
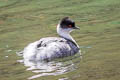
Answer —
(53, 68)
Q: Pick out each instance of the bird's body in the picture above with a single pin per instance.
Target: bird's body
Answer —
(50, 48)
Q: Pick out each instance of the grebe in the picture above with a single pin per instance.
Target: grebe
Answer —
(50, 48)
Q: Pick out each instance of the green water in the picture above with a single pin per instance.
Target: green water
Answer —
(25, 21)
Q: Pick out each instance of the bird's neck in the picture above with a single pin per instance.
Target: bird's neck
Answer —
(66, 35)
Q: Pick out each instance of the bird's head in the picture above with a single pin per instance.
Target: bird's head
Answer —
(66, 25)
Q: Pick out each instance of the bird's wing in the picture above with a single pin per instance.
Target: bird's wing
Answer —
(46, 41)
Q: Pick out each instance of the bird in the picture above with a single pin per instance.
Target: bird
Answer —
(50, 48)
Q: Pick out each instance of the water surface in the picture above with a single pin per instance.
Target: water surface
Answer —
(26, 21)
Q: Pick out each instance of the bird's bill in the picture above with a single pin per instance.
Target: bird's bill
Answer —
(76, 27)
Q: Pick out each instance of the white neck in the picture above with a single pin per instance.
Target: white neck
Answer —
(65, 33)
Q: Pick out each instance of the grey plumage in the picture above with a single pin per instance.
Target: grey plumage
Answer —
(51, 47)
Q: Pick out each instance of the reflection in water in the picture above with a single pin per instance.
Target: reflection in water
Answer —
(45, 69)
(50, 68)
(57, 67)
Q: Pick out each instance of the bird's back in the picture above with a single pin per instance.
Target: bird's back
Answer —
(50, 48)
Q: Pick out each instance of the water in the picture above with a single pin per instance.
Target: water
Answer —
(25, 21)
(52, 68)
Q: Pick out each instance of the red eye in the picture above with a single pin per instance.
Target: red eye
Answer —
(70, 26)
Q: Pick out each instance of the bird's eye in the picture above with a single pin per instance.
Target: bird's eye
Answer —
(70, 26)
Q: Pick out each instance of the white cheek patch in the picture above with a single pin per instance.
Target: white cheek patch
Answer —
(69, 29)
